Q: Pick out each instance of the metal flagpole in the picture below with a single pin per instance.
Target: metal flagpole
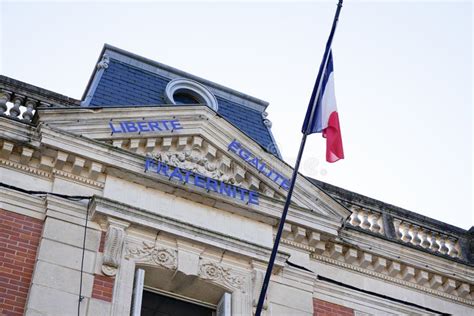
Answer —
(314, 98)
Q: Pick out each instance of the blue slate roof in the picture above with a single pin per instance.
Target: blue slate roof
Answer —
(123, 84)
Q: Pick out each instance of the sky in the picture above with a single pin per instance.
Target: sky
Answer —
(403, 78)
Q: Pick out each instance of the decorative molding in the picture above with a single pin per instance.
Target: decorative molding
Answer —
(391, 279)
(28, 169)
(114, 240)
(149, 254)
(215, 272)
(104, 62)
(194, 88)
(195, 162)
(78, 178)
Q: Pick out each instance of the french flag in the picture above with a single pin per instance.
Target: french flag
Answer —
(322, 117)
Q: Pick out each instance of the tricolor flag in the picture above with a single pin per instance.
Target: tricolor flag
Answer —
(322, 117)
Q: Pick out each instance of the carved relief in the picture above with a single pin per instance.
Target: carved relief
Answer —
(212, 271)
(113, 248)
(162, 257)
(196, 162)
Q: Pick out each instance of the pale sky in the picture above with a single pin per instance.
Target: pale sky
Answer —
(403, 77)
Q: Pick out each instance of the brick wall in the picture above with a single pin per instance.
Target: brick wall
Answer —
(19, 240)
(103, 286)
(323, 308)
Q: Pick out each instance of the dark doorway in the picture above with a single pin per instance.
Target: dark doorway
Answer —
(154, 304)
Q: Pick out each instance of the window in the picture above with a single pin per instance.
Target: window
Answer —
(182, 91)
(184, 97)
(169, 293)
(166, 304)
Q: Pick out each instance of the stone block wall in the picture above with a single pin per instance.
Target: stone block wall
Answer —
(19, 239)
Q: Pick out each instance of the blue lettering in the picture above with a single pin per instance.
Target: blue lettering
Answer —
(149, 163)
(177, 174)
(278, 176)
(234, 146)
(163, 168)
(211, 184)
(199, 181)
(244, 153)
(285, 184)
(175, 124)
(228, 189)
(142, 126)
(122, 125)
(130, 127)
(186, 176)
(254, 162)
(270, 172)
(164, 123)
(154, 125)
(113, 128)
(253, 197)
(242, 193)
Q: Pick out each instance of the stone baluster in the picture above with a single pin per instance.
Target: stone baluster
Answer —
(404, 231)
(17, 102)
(452, 244)
(396, 225)
(434, 242)
(442, 245)
(354, 219)
(365, 220)
(374, 220)
(423, 234)
(4, 98)
(30, 107)
(416, 240)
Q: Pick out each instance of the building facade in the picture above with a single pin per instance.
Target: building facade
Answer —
(159, 193)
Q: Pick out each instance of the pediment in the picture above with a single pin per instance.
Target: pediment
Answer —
(195, 139)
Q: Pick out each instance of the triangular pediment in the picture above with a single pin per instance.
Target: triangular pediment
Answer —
(196, 139)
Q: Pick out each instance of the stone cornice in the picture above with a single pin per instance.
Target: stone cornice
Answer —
(22, 203)
(100, 207)
(439, 291)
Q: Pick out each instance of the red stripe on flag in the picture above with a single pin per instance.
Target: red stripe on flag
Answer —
(332, 133)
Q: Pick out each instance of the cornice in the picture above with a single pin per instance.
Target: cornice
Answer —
(22, 203)
(395, 280)
(100, 207)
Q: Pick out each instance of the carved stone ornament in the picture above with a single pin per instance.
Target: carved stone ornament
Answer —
(104, 62)
(162, 257)
(113, 249)
(109, 271)
(225, 276)
(195, 162)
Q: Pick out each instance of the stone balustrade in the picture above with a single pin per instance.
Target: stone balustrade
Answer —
(18, 106)
(405, 231)
(19, 100)
(366, 219)
(420, 236)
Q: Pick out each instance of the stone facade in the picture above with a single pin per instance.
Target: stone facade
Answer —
(81, 214)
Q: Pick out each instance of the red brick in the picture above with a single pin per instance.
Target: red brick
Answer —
(19, 240)
(103, 288)
(323, 308)
(102, 242)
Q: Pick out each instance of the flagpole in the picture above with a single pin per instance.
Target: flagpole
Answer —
(314, 96)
